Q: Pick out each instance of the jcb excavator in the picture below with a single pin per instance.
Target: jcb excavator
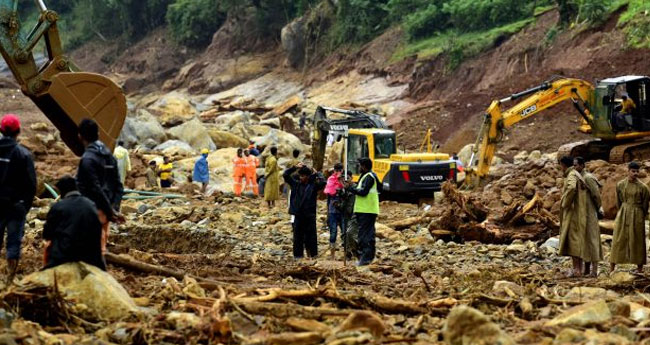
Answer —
(62, 92)
(620, 137)
(404, 177)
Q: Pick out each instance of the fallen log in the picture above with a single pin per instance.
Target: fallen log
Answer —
(473, 208)
(406, 223)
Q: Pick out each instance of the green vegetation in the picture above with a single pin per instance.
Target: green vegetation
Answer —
(636, 22)
(191, 23)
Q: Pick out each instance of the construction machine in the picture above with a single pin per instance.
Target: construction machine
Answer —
(59, 89)
(620, 137)
(405, 177)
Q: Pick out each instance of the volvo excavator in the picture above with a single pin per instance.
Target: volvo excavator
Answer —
(619, 137)
(59, 89)
(405, 177)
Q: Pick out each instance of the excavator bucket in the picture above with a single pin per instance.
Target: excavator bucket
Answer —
(74, 96)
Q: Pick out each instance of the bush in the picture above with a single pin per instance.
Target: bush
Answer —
(469, 15)
(425, 22)
(193, 22)
(358, 21)
(593, 11)
(399, 9)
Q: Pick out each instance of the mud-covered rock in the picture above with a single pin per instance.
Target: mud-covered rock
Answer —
(468, 326)
(194, 133)
(173, 109)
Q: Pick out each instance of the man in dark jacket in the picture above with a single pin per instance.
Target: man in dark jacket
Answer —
(98, 178)
(17, 190)
(302, 206)
(73, 229)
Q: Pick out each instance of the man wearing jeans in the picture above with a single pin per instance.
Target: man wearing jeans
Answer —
(366, 209)
(17, 190)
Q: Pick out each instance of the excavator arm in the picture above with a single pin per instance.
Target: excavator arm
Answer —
(63, 93)
(537, 99)
(323, 126)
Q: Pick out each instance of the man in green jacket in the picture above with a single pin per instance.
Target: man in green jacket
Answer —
(366, 209)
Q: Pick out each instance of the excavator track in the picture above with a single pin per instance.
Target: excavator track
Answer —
(638, 150)
(587, 149)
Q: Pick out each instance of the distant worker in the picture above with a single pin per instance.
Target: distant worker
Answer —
(251, 173)
(253, 149)
(366, 210)
(304, 197)
(17, 190)
(592, 250)
(573, 215)
(633, 197)
(123, 161)
(72, 229)
(238, 171)
(624, 120)
(201, 172)
(165, 173)
(98, 179)
(272, 184)
(334, 203)
(303, 121)
(151, 175)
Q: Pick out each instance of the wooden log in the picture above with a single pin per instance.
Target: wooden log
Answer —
(405, 223)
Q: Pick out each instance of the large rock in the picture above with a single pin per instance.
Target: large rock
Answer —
(226, 139)
(468, 326)
(175, 147)
(143, 129)
(174, 108)
(588, 314)
(285, 142)
(229, 120)
(221, 169)
(194, 133)
(585, 293)
(87, 284)
(293, 43)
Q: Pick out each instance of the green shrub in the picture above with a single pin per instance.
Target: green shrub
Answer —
(593, 11)
(358, 21)
(193, 22)
(469, 15)
(425, 23)
(400, 9)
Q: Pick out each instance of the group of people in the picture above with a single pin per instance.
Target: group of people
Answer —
(245, 169)
(581, 209)
(77, 226)
(305, 185)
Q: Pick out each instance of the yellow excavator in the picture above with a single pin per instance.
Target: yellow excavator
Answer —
(62, 92)
(621, 136)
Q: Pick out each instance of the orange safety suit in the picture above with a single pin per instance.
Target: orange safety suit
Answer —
(251, 175)
(239, 171)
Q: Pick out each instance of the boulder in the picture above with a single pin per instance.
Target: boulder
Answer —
(182, 321)
(584, 293)
(143, 129)
(465, 154)
(272, 122)
(224, 139)
(622, 277)
(639, 313)
(175, 147)
(293, 43)
(173, 109)
(87, 284)
(285, 142)
(588, 314)
(468, 326)
(194, 133)
(520, 157)
(220, 164)
(507, 289)
(229, 120)
(569, 336)
(535, 155)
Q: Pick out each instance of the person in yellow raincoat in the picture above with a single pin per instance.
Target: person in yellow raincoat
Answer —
(272, 184)
(573, 221)
(592, 251)
(251, 173)
(238, 171)
(632, 197)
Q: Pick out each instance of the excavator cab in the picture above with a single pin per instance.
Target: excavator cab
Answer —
(609, 99)
(62, 92)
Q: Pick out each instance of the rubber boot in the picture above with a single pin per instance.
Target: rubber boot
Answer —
(12, 267)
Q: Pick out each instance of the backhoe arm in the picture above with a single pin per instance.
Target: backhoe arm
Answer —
(64, 95)
(537, 99)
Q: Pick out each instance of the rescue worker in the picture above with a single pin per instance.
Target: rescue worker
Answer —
(253, 149)
(73, 229)
(17, 190)
(152, 177)
(238, 171)
(573, 210)
(165, 173)
(251, 173)
(592, 250)
(98, 179)
(628, 105)
(201, 172)
(272, 184)
(123, 161)
(304, 196)
(366, 210)
(633, 197)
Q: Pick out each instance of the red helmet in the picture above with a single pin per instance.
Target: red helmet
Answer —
(10, 124)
